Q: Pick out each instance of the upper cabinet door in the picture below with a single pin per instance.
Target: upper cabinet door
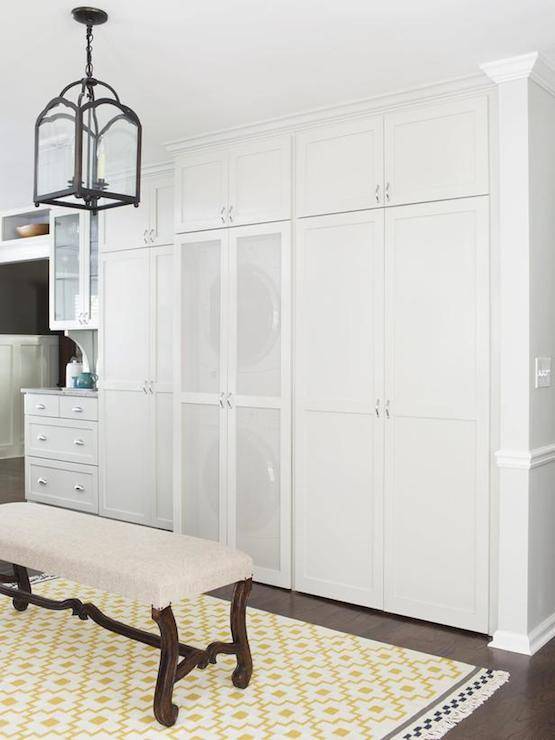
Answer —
(125, 227)
(437, 152)
(260, 182)
(340, 168)
(124, 341)
(161, 202)
(201, 185)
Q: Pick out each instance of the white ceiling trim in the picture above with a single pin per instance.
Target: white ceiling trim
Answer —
(469, 84)
(532, 66)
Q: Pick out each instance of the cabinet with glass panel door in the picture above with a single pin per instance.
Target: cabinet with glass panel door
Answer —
(73, 270)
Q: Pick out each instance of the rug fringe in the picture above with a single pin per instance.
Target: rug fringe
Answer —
(471, 704)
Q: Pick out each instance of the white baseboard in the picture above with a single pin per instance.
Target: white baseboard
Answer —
(541, 634)
(514, 642)
(524, 644)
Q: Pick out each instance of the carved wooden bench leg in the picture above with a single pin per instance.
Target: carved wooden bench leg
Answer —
(240, 645)
(164, 710)
(23, 584)
(242, 674)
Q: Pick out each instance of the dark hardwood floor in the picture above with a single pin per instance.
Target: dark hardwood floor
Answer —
(523, 709)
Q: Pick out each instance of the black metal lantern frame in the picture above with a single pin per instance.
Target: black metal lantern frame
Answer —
(88, 183)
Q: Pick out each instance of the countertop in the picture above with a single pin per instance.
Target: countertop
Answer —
(82, 392)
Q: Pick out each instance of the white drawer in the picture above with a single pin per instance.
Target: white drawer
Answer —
(61, 439)
(74, 407)
(42, 404)
(61, 484)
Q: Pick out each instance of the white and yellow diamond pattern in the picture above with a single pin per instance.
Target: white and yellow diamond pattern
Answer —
(61, 677)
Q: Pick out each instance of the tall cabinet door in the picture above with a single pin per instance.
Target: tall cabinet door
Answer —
(338, 407)
(436, 470)
(124, 366)
(200, 423)
(161, 385)
(259, 399)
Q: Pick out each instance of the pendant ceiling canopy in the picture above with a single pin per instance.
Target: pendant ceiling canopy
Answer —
(87, 142)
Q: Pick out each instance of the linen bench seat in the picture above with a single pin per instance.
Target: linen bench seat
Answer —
(151, 566)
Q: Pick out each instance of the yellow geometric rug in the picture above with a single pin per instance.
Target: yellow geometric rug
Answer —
(61, 677)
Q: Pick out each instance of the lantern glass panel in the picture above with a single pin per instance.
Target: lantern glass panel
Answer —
(56, 150)
(110, 142)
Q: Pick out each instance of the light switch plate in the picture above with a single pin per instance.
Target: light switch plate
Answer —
(543, 372)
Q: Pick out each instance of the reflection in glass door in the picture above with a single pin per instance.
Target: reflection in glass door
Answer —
(201, 426)
(259, 398)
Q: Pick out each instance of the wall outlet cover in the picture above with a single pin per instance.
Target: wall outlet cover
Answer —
(543, 372)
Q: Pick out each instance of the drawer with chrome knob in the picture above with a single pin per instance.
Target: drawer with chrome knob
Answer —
(62, 439)
(64, 484)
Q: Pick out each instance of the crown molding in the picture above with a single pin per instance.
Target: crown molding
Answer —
(157, 168)
(525, 459)
(376, 105)
(533, 66)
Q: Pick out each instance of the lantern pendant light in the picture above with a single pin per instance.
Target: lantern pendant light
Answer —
(88, 147)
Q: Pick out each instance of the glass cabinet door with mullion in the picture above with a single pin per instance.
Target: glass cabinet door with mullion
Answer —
(74, 271)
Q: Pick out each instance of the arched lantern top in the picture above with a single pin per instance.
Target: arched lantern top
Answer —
(87, 149)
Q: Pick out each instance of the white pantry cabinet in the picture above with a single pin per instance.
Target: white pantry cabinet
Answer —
(338, 396)
(437, 391)
(391, 410)
(151, 224)
(340, 167)
(245, 184)
(135, 386)
(232, 413)
(416, 154)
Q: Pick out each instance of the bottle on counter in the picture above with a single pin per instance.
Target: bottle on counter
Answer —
(73, 369)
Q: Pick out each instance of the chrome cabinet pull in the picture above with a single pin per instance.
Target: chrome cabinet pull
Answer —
(144, 236)
(152, 233)
(377, 407)
(77, 409)
(387, 193)
(378, 193)
(144, 386)
(221, 400)
(40, 406)
(41, 438)
(388, 415)
(230, 214)
(78, 487)
(229, 397)
(78, 442)
(42, 481)
(222, 214)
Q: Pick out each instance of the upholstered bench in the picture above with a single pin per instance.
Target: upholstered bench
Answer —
(147, 565)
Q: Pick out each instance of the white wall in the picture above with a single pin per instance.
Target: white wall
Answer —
(526, 458)
(541, 563)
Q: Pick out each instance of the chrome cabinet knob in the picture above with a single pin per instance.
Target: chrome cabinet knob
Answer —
(41, 437)
(78, 442)
(40, 406)
(78, 487)
(42, 481)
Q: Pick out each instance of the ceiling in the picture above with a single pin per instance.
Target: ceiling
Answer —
(193, 66)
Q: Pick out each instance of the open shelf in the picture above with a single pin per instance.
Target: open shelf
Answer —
(11, 222)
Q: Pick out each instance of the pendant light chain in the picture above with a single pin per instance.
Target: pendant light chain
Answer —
(89, 65)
